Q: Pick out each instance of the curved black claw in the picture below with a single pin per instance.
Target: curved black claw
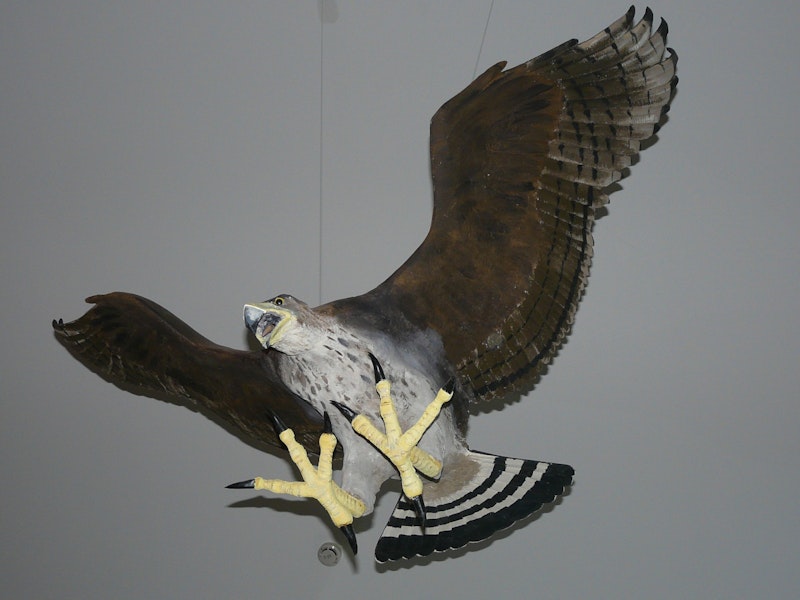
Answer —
(350, 534)
(277, 423)
(419, 508)
(450, 386)
(326, 420)
(349, 414)
(242, 485)
(377, 368)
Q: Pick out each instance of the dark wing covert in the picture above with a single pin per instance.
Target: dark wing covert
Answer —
(132, 341)
(519, 161)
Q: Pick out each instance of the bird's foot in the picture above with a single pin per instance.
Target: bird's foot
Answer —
(317, 482)
(398, 446)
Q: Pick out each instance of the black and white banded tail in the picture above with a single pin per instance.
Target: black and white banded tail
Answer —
(482, 494)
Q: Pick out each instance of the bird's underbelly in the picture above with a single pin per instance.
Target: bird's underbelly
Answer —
(347, 379)
(353, 385)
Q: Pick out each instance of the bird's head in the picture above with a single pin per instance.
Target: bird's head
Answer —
(281, 323)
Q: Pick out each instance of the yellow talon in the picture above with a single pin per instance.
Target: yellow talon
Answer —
(317, 483)
(398, 446)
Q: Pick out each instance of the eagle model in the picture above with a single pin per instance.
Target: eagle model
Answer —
(519, 160)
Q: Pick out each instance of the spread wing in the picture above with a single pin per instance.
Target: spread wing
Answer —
(136, 344)
(519, 161)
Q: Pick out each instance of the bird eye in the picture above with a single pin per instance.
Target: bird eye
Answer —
(278, 301)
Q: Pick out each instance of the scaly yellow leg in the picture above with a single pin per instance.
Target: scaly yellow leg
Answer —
(398, 446)
(317, 482)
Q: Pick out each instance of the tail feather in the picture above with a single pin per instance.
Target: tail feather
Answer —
(476, 497)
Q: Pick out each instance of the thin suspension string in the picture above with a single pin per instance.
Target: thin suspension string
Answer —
(321, 129)
(321, 126)
(483, 38)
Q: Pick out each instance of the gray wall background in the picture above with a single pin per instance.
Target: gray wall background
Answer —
(206, 154)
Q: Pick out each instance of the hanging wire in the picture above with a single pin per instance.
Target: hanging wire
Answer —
(321, 112)
(483, 38)
(328, 12)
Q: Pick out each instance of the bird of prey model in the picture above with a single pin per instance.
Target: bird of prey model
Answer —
(520, 162)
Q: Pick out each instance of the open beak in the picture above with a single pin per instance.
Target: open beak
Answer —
(262, 319)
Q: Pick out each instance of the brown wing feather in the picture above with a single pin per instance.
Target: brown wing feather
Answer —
(519, 162)
(133, 342)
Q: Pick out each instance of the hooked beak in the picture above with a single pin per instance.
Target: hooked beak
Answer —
(263, 320)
